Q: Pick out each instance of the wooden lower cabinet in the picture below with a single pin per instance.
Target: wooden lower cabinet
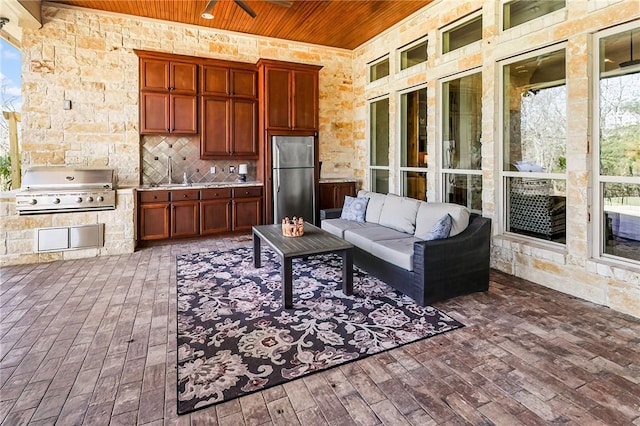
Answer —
(246, 213)
(184, 219)
(154, 221)
(332, 193)
(215, 216)
(247, 208)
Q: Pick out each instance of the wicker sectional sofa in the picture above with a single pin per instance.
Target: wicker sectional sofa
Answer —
(387, 247)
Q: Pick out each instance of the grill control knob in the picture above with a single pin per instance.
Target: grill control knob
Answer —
(33, 201)
(79, 200)
(100, 198)
(90, 199)
(56, 201)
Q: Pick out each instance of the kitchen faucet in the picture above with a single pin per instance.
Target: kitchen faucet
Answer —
(169, 169)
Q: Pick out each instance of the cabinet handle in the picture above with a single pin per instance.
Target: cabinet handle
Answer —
(185, 195)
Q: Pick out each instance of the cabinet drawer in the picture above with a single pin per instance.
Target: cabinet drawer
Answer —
(184, 195)
(154, 196)
(215, 193)
(251, 191)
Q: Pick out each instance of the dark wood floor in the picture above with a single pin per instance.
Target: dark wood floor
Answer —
(93, 342)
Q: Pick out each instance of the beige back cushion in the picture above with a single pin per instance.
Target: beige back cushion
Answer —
(399, 213)
(374, 207)
(429, 213)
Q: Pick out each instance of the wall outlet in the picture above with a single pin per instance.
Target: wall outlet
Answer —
(232, 169)
(212, 170)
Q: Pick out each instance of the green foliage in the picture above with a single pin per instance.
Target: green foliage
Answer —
(5, 172)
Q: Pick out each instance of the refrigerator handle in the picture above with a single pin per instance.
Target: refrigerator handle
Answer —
(277, 180)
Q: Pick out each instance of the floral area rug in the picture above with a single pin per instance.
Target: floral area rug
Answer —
(234, 337)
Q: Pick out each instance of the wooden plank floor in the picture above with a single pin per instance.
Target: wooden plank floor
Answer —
(93, 342)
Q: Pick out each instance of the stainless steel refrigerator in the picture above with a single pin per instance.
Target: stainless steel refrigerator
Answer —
(293, 177)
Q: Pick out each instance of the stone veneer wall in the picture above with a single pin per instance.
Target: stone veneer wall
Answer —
(569, 269)
(87, 57)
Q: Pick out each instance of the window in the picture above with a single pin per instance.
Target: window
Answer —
(414, 55)
(534, 144)
(379, 145)
(463, 34)
(520, 11)
(461, 141)
(379, 70)
(618, 189)
(413, 143)
(11, 104)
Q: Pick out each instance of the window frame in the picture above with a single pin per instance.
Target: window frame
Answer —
(508, 3)
(375, 62)
(371, 167)
(441, 170)
(460, 22)
(505, 175)
(398, 148)
(598, 181)
(422, 40)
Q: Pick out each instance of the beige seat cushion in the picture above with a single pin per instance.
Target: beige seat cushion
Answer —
(398, 252)
(364, 237)
(429, 213)
(338, 226)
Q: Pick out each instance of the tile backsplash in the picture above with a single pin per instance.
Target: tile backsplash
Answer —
(185, 157)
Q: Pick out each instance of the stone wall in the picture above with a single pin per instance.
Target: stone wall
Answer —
(569, 268)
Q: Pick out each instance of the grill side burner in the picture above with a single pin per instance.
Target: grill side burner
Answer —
(65, 189)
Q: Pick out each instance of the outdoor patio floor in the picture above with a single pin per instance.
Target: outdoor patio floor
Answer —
(93, 341)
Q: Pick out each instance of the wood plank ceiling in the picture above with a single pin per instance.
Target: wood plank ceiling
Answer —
(338, 23)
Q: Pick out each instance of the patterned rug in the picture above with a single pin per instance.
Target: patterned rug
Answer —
(234, 337)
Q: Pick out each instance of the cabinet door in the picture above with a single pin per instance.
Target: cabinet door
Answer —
(215, 216)
(154, 113)
(183, 78)
(305, 97)
(244, 138)
(243, 83)
(215, 81)
(278, 98)
(184, 114)
(154, 221)
(154, 74)
(342, 190)
(327, 196)
(184, 219)
(246, 213)
(214, 139)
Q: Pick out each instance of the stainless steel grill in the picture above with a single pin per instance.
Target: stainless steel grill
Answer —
(65, 189)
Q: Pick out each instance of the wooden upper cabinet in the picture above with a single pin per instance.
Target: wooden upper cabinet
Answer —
(305, 100)
(183, 77)
(220, 80)
(154, 74)
(168, 76)
(278, 95)
(168, 95)
(229, 117)
(289, 95)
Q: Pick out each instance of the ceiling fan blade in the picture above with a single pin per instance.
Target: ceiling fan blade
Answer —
(246, 8)
(284, 3)
(208, 9)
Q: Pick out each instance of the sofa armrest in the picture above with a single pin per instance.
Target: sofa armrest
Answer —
(456, 260)
(330, 213)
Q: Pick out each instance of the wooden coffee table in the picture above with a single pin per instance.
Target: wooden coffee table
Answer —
(314, 241)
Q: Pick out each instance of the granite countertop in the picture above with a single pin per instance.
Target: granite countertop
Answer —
(337, 180)
(198, 185)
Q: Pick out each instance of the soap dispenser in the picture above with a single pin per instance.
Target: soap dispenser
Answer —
(185, 180)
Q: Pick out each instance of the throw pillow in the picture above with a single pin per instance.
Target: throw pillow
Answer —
(440, 230)
(354, 208)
